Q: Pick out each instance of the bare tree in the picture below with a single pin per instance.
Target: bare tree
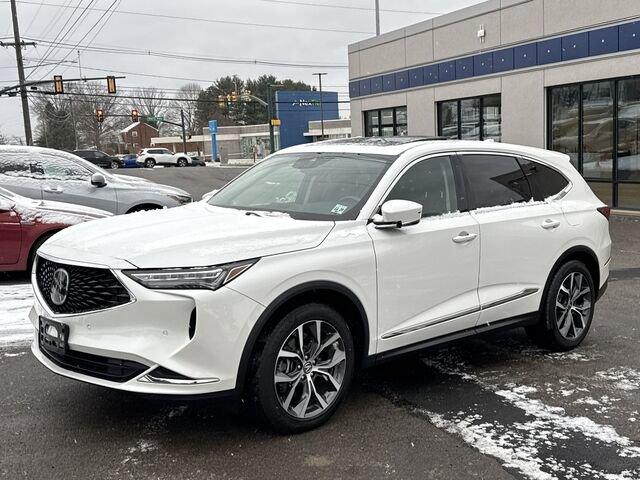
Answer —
(92, 133)
(151, 102)
(187, 97)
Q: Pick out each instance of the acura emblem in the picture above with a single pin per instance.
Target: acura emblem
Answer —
(60, 286)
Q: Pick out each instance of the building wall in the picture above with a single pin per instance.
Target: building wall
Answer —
(507, 24)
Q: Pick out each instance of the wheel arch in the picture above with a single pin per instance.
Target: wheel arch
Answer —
(581, 253)
(332, 294)
(144, 206)
(37, 243)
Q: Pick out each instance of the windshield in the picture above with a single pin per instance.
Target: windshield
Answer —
(307, 186)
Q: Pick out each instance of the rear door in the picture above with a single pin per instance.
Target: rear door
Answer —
(521, 236)
(18, 174)
(67, 181)
(10, 233)
(427, 273)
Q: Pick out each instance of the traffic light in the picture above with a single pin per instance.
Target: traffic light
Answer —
(100, 115)
(111, 84)
(234, 97)
(221, 101)
(58, 85)
(135, 116)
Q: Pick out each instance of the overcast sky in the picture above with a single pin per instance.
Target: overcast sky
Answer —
(199, 35)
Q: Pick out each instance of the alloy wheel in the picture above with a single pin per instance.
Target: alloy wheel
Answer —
(310, 369)
(573, 305)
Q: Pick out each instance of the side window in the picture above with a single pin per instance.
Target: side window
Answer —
(544, 181)
(14, 165)
(430, 183)
(57, 167)
(495, 180)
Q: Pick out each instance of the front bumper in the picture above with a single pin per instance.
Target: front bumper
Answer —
(153, 330)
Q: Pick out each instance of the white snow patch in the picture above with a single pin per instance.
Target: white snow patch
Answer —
(19, 354)
(624, 378)
(15, 303)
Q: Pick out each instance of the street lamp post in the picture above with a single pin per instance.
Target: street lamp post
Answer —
(320, 75)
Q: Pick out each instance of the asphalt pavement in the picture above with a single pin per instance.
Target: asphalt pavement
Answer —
(494, 407)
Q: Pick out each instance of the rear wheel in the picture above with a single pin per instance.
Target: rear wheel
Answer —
(567, 309)
(149, 163)
(303, 370)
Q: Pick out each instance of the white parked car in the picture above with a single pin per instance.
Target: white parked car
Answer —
(320, 260)
(150, 157)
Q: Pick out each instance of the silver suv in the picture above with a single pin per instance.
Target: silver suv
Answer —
(48, 174)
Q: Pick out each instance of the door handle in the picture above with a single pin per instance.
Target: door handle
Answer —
(549, 224)
(465, 237)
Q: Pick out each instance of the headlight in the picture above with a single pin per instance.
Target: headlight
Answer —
(181, 199)
(210, 278)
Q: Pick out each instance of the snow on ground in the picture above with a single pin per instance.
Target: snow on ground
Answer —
(15, 302)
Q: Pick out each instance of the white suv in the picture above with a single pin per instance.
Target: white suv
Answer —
(150, 157)
(320, 260)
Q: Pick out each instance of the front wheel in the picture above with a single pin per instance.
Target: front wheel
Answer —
(182, 162)
(567, 309)
(115, 165)
(304, 369)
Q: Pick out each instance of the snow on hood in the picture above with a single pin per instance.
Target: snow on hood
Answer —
(124, 181)
(194, 235)
(59, 213)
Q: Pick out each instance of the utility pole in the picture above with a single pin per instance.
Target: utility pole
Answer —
(321, 103)
(272, 135)
(377, 18)
(184, 133)
(23, 89)
(73, 121)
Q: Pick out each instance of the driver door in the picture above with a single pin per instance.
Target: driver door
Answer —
(67, 181)
(10, 233)
(427, 273)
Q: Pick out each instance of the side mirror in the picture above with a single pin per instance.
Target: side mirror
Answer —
(398, 214)
(98, 180)
(208, 195)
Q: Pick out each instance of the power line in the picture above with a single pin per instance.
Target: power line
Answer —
(348, 7)
(210, 20)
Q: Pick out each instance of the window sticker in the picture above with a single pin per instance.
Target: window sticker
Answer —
(339, 209)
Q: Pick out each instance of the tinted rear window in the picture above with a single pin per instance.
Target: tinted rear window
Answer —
(545, 182)
(495, 180)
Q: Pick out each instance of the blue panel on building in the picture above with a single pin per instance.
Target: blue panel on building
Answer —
(416, 77)
(464, 68)
(603, 40)
(549, 51)
(575, 46)
(447, 71)
(402, 79)
(365, 86)
(389, 82)
(483, 64)
(629, 36)
(296, 109)
(503, 60)
(376, 84)
(431, 74)
(525, 56)
(354, 89)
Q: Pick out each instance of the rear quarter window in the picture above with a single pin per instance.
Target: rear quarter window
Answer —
(545, 181)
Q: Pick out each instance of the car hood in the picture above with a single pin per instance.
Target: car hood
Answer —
(45, 211)
(124, 181)
(194, 235)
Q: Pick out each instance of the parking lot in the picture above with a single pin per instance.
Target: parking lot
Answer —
(489, 408)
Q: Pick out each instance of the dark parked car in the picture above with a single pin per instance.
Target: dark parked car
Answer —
(100, 158)
(197, 162)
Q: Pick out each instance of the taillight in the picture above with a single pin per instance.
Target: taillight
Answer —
(606, 211)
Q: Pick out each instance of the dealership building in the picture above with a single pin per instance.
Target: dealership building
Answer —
(557, 74)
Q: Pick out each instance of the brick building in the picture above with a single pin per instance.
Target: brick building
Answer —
(136, 136)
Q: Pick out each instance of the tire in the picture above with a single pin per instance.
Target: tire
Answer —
(34, 248)
(567, 309)
(144, 208)
(115, 165)
(182, 162)
(275, 375)
(149, 163)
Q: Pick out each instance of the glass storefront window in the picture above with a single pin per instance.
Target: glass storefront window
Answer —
(476, 118)
(386, 123)
(565, 121)
(629, 196)
(597, 130)
(448, 116)
(629, 131)
(470, 119)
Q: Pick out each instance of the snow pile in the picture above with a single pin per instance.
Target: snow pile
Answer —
(15, 303)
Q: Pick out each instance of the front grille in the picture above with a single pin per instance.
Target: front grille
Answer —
(106, 368)
(88, 289)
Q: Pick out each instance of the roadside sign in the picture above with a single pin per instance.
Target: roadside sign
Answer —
(275, 122)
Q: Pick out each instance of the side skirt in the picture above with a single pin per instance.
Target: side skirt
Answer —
(506, 324)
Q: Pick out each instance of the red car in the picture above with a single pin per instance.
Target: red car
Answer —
(25, 224)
